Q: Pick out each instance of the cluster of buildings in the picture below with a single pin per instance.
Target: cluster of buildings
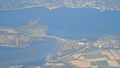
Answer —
(108, 42)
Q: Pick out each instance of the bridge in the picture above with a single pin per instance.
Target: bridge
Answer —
(54, 37)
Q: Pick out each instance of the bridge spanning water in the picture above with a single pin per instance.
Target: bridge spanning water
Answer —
(55, 37)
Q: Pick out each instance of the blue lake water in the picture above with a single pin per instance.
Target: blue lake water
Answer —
(75, 23)
(30, 55)
(65, 22)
